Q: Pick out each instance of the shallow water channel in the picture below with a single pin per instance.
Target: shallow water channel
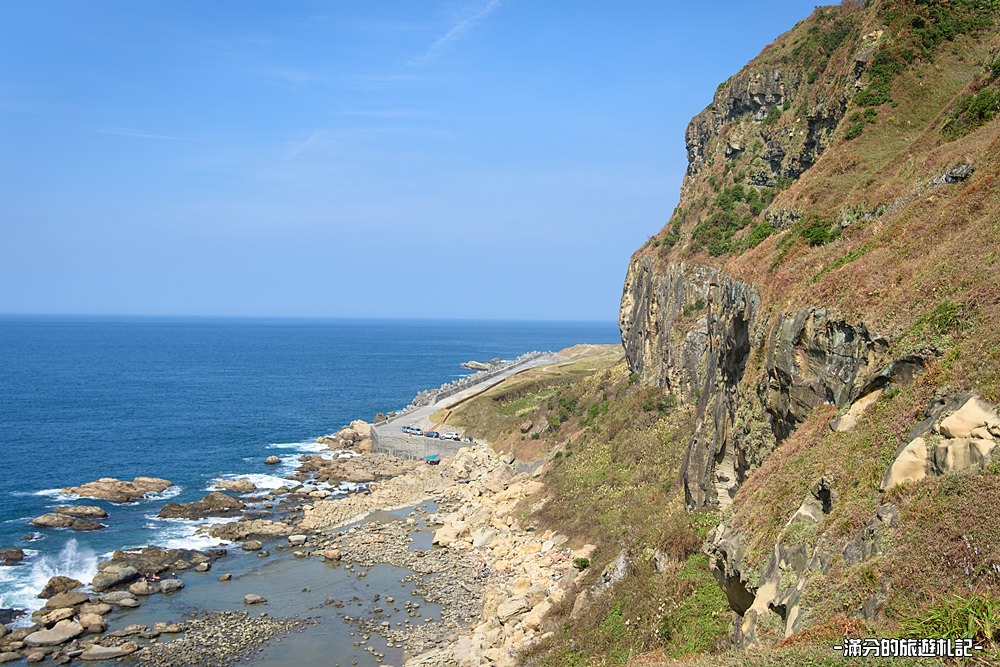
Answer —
(322, 593)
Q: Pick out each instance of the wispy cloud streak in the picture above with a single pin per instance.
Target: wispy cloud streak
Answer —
(455, 33)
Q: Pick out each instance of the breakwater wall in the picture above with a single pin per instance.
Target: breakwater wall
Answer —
(432, 396)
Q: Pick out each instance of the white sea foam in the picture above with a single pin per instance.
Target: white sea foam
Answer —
(57, 493)
(169, 492)
(183, 533)
(262, 481)
(310, 446)
(20, 584)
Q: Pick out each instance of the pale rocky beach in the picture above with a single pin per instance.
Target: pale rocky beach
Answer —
(481, 582)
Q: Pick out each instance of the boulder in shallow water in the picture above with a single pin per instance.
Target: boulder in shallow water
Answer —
(11, 556)
(85, 524)
(272, 460)
(171, 585)
(251, 598)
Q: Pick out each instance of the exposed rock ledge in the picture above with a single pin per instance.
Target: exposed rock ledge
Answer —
(118, 491)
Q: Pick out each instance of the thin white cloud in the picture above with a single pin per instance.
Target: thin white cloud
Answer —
(455, 33)
(296, 148)
(129, 132)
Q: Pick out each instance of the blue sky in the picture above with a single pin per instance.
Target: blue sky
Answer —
(397, 158)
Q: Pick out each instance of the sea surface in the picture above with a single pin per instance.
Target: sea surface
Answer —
(196, 400)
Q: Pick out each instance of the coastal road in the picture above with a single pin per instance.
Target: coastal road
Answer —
(421, 417)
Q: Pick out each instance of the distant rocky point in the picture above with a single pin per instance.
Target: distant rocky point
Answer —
(118, 491)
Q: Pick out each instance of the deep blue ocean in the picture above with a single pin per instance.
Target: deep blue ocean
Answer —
(195, 400)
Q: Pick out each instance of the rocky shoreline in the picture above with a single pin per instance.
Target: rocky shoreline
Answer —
(493, 579)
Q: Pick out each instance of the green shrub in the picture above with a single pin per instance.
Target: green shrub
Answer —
(972, 111)
(816, 230)
(581, 563)
(772, 116)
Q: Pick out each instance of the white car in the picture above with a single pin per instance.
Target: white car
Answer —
(451, 435)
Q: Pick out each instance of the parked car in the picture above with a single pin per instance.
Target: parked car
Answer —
(451, 435)
(432, 434)
(409, 428)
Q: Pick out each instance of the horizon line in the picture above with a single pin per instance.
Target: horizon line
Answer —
(155, 316)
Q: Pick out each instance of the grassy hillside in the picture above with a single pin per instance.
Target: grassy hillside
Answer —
(852, 166)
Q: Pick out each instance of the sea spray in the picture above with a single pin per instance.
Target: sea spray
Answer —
(21, 584)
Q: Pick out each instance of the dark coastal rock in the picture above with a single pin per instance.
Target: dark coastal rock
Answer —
(118, 491)
(59, 584)
(84, 524)
(82, 511)
(214, 504)
(9, 615)
(11, 556)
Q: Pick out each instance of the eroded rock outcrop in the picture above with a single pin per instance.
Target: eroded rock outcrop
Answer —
(691, 329)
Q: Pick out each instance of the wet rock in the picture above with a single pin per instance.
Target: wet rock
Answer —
(11, 556)
(214, 504)
(9, 656)
(118, 491)
(252, 598)
(226, 577)
(332, 554)
(251, 545)
(272, 460)
(59, 584)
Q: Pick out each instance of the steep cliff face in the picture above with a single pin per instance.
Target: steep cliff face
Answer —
(691, 330)
(815, 259)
